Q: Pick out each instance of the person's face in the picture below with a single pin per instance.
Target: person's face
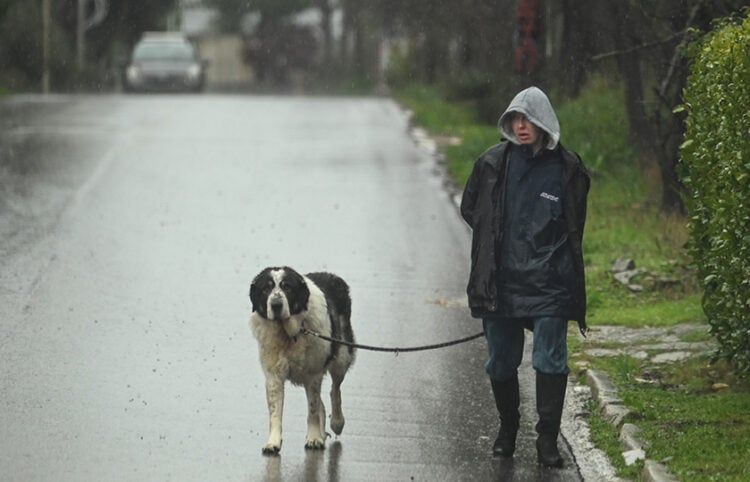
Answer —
(525, 131)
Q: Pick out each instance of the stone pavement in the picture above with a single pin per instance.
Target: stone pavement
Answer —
(657, 345)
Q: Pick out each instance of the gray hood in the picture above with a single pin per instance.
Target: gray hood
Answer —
(534, 104)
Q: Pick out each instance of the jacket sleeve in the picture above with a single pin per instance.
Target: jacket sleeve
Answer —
(469, 198)
(582, 202)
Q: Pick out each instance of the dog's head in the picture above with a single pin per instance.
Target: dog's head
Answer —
(278, 293)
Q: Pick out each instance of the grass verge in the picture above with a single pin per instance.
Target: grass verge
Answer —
(695, 416)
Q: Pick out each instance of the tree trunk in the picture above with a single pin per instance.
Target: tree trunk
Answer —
(325, 26)
(629, 65)
(344, 50)
(669, 156)
(579, 42)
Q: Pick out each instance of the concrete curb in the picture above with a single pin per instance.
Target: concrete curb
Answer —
(613, 409)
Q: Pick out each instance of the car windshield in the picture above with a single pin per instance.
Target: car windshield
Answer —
(163, 51)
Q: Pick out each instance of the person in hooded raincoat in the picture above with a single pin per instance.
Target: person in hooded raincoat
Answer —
(525, 202)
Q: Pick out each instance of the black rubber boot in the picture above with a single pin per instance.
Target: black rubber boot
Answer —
(550, 396)
(507, 401)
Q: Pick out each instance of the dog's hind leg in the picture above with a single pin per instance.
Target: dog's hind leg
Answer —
(316, 415)
(337, 416)
(275, 399)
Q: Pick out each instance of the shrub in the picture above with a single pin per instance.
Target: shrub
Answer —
(715, 169)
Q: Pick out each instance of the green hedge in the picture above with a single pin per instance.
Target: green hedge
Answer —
(715, 169)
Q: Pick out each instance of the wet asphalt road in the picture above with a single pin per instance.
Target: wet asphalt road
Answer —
(130, 227)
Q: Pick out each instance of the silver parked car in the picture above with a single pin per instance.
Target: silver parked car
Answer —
(164, 62)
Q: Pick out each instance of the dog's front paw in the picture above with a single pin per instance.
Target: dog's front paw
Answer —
(315, 444)
(271, 449)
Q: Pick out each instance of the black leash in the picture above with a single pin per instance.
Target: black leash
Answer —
(393, 350)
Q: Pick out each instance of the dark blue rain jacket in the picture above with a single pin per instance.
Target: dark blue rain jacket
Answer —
(527, 217)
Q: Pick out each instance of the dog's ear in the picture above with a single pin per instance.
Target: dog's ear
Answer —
(253, 293)
(255, 298)
(301, 298)
(301, 293)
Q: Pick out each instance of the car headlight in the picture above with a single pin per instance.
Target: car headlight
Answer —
(133, 74)
(194, 72)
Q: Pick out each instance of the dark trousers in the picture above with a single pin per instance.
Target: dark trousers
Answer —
(505, 341)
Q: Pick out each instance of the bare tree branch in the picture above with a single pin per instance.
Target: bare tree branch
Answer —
(617, 53)
(677, 53)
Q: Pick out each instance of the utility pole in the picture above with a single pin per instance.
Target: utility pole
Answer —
(80, 31)
(45, 46)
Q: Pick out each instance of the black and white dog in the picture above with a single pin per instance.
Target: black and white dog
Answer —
(283, 302)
